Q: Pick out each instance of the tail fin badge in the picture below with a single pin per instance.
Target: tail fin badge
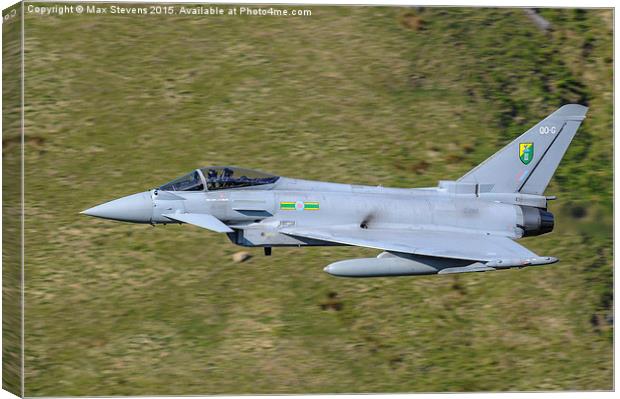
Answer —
(526, 152)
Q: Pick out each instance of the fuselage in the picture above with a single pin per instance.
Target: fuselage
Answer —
(258, 213)
(256, 208)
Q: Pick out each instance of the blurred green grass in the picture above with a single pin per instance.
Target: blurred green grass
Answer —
(369, 95)
(11, 202)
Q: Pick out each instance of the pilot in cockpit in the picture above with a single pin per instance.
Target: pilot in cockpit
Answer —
(218, 178)
(227, 174)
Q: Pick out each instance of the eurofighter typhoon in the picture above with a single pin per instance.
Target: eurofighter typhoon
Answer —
(467, 225)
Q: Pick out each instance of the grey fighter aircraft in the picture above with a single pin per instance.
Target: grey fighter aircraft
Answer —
(467, 225)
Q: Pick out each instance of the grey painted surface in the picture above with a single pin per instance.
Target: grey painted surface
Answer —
(550, 138)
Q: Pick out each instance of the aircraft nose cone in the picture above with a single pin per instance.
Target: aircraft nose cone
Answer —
(137, 208)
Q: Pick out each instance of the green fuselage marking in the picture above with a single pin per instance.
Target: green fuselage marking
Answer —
(307, 206)
(287, 206)
(311, 206)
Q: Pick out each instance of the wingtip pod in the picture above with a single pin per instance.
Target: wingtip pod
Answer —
(508, 263)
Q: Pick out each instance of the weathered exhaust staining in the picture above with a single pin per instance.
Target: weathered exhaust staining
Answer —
(463, 226)
(367, 219)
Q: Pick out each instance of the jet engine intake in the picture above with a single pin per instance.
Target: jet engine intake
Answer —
(535, 221)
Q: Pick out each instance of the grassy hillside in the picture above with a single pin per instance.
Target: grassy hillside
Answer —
(119, 104)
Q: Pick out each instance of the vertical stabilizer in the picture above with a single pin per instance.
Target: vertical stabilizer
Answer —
(527, 164)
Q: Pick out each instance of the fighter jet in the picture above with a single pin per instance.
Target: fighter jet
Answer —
(467, 225)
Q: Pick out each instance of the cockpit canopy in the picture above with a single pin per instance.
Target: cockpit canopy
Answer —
(219, 178)
(190, 182)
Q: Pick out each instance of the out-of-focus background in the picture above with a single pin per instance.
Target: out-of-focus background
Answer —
(402, 97)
